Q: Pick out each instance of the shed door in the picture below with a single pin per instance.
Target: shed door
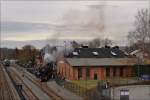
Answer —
(95, 76)
(124, 94)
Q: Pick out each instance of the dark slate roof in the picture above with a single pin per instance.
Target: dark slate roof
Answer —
(104, 52)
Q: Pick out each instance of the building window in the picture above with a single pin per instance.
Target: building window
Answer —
(124, 94)
(79, 73)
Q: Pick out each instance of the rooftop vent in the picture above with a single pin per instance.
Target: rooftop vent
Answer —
(113, 53)
(84, 46)
(95, 53)
(75, 53)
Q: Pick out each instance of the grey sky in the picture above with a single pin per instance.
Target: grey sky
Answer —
(37, 20)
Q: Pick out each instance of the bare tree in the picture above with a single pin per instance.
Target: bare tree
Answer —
(28, 53)
(106, 42)
(141, 32)
(100, 42)
(95, 43)
(28, 47)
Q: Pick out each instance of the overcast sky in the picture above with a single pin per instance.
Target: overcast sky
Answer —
(25, 21)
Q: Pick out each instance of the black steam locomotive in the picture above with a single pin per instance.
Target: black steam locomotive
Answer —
(47, 72)
(46, 63)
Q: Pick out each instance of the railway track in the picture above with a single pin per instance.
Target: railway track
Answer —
(6, 88)
(41, 85)
(46, 89)
(23, 87)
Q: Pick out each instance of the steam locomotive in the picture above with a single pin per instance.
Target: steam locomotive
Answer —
(46, 70)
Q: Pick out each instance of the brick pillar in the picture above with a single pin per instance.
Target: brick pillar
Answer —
(103, 73)
(84, 73)
(91, 73)
(71, 73)
(75, 73)
(129, 71)
(99, 73)
(111, 72)
(118, 72)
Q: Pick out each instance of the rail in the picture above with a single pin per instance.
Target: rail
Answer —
(6, 88)
(23, 87)
(43, 86)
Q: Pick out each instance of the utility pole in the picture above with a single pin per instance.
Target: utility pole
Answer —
(65, 55)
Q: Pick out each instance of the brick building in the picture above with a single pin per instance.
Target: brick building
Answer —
(96, 63)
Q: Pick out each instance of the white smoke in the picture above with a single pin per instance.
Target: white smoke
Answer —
(48, 58)
(49, 54)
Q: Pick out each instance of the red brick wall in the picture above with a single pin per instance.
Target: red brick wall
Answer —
(71, 73)
(84, 73)
(75, 73)
(117, 72)
(91, 73)
(100, 71)
(65, 70)
(127, 71)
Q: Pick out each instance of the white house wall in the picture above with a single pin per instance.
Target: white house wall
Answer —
(136, 92)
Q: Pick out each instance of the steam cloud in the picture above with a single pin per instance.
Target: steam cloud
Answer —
(89, 22)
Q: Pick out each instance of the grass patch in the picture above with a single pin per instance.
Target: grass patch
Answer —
(119, 80)
(88, 84)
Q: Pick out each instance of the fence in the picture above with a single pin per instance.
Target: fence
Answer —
(88, 94)
(81, 91)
